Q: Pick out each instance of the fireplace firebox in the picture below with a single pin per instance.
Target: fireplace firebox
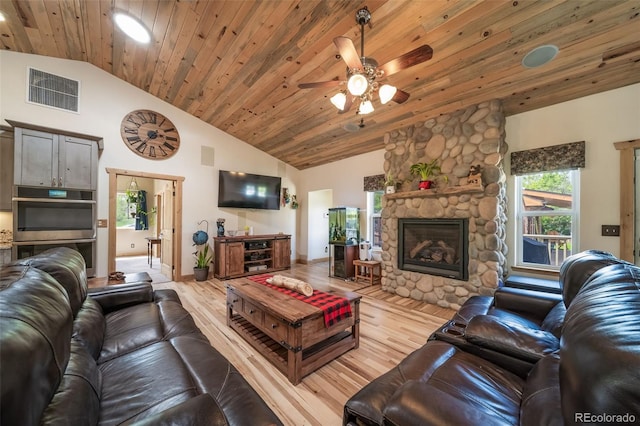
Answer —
(434, 246)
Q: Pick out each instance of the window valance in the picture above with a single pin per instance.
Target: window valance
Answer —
(374, 183)
(549, 158)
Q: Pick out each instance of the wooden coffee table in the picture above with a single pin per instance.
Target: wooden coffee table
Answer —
(290, 333)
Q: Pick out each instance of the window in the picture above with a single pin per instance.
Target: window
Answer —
(125, 213)
(374, 221)
(547, 208)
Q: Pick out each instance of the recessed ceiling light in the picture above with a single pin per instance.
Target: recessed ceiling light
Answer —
(2, 18)
(539, 56)
(132, 27)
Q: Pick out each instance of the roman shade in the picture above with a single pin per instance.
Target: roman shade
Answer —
(556, 157)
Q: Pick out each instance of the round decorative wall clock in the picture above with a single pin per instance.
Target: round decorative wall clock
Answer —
(150, 134)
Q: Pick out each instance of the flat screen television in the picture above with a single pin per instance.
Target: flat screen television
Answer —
(248, 191)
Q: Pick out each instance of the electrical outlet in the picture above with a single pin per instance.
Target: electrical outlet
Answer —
(610, 230)
(133, 245)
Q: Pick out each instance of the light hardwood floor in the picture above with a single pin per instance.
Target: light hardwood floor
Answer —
(391, 327)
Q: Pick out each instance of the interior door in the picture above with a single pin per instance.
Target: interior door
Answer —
(166, 231)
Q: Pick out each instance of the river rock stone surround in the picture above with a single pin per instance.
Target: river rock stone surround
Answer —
(470, 137)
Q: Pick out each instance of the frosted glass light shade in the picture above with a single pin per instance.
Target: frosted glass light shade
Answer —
(386, 93)
(132, 27)
(366, 107)
(357, 84)
(339, 100)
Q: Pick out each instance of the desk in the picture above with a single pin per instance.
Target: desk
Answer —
(151, 241)
(368, 270)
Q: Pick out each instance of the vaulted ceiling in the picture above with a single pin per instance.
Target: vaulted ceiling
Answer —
(237, 64)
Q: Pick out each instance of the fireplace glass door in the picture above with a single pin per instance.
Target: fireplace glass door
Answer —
(434, 246)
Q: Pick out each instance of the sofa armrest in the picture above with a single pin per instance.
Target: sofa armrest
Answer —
(119, 296)
(510, 338)
(200, 410)
(528, 303)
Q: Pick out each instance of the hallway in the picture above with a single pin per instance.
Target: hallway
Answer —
(132, 264)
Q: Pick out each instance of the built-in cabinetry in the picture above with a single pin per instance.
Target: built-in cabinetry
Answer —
(55, 161)
(6, 168)
(254, 254)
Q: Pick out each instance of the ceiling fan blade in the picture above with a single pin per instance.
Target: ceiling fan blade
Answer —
(400, 96)
(330, 83)
(348, 52)
(347, 105)
(409, 59)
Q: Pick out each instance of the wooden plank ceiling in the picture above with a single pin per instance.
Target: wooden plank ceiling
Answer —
(237, 64)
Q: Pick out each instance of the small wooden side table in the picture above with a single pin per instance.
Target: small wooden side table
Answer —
(368, 270)
(151, 241)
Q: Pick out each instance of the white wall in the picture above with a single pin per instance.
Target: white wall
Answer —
(599, 120)
(318, 218)
(346, 180)
(104, 101)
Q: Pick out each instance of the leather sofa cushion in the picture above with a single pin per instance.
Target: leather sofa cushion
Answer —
(129, 329)
(439, 384)
(541, 395)
(201, 410)
(77, 399)
(600, 351)
(213, 374)
(527, 343)
(35, 329)
(66, 266)
(89, 327)
(576, 270)
(144, 382)
(176, 321)
(456, 388)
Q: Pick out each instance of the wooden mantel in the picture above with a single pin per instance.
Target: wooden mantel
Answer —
(437, 192)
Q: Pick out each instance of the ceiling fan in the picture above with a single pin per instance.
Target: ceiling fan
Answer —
(364, 74)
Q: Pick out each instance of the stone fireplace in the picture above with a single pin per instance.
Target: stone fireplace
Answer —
(432, 265)
(434, 246)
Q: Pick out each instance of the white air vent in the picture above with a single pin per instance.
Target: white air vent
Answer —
(53, 91)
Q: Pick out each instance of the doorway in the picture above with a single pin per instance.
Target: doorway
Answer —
(167, 223)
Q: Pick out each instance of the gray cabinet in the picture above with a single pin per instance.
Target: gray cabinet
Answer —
(6, 168)
(51, 160)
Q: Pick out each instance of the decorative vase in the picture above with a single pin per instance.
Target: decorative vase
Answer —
(425, 184)
(201, 274)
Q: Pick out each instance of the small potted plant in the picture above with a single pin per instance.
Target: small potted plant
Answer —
(390, 183)
(203, 260)
(427, 172)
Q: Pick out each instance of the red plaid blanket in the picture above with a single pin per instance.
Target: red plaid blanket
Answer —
(335, 308)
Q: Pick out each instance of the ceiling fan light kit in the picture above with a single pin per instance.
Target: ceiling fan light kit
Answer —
(364, 73)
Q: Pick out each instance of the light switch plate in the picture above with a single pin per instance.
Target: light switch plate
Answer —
(103, 223)
(610, 230)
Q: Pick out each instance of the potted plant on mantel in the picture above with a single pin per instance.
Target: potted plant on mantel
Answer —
(389, 183)
(203, 260)
(427, 172)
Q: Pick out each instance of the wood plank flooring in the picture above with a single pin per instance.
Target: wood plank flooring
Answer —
(391, 327)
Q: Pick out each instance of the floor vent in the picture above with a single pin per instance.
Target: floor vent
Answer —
(53, 91)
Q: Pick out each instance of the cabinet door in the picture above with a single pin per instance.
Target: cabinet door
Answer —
(281, 253)
(35, 159)
(78, 163)
(6, 169)
(235, 258)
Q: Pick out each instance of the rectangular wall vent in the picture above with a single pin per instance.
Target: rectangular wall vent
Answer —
(53, 90)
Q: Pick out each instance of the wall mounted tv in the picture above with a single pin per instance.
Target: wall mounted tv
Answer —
(248, 191)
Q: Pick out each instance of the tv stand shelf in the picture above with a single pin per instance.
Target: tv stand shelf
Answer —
(244, 255)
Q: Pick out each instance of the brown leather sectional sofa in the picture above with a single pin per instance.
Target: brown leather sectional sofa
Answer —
(120, 355)
(523, 358)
